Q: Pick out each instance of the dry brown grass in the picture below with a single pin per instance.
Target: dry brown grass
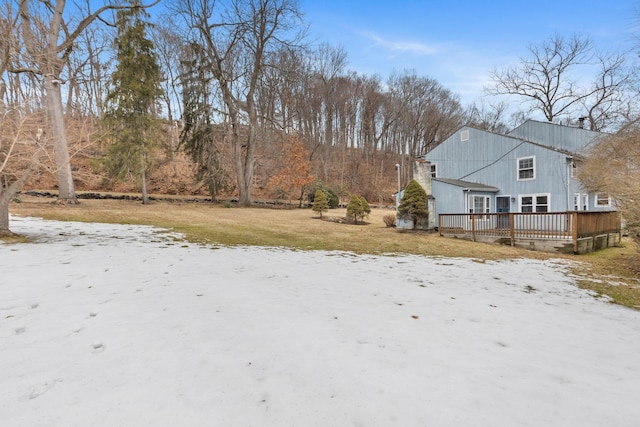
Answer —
(293, 228)
(301, 229)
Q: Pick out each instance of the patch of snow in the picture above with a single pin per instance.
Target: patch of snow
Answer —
(122, 325)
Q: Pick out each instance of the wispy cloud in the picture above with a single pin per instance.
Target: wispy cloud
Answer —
(399, 46)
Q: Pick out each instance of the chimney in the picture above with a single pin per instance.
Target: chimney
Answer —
(422, 174)
(581, 122)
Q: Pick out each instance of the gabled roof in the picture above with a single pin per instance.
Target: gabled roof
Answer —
(513, 135)
(468, 185)
(561, 138)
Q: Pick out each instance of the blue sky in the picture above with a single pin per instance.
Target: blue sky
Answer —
(459, 42)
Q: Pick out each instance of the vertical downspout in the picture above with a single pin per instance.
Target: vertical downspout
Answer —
(569, 166)
(567, 225)
(466, 199)
(466, 208)
(399, 188)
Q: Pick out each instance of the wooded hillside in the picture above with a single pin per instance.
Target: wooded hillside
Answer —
(232, 95)
(237, 83)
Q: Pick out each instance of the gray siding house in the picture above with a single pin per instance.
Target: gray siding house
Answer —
(531, 169)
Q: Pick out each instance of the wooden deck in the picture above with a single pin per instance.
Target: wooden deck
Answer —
(576, 232)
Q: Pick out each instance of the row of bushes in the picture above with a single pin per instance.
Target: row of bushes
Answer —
(357, 209)
(413, 205)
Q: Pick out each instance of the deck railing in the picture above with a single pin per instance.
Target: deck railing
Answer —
(538, 225)
(593, 223)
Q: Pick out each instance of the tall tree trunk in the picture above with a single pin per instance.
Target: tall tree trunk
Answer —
(145, 196)
(3, 90)
(50, 54)
(143, 177)
(244, 154)
(238, 50)
(7, 193)
(66, 189)
(5, 198)
(172, 140)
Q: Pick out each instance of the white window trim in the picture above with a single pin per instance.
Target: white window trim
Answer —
(533, 200)
(518, 168)
(574, 169)
(486, 205)
(600, 205)
(580, 202)
(433, 170)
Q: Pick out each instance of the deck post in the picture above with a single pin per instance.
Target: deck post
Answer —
(473, 228)
(574, 231)
(512, 228)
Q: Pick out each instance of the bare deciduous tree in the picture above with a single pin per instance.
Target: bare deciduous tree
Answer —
(48, 40)
(549, 81)
(86, 73)
(329, 63)
(169, 47)
(427, 113)
(545, 79)
(8, 47)
(488, 116)
(607, 101)
(613, 168)
(237, 36)
(20, 150)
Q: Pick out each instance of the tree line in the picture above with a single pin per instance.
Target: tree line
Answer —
(242, 67)
(238, 80)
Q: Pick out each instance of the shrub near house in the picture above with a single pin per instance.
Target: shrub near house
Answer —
(320, 202)
(413, 205)
(358, 208)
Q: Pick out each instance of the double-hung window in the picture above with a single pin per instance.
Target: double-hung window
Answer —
(603, 200)
(534, 203)
(574, 169)
(580, 202)
(542, 203)
(526, 168)
(480, 204)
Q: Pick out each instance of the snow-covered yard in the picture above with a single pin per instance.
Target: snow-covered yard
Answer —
(109, 325)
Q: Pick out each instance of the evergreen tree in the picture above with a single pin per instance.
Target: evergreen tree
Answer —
(320, 202)
(197, 134)
(332, 196)
(358, 208)
(414, 203)
(365, 206)
(132, 100)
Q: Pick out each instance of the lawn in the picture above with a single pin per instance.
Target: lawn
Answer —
(614, 272)
(110, 324)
